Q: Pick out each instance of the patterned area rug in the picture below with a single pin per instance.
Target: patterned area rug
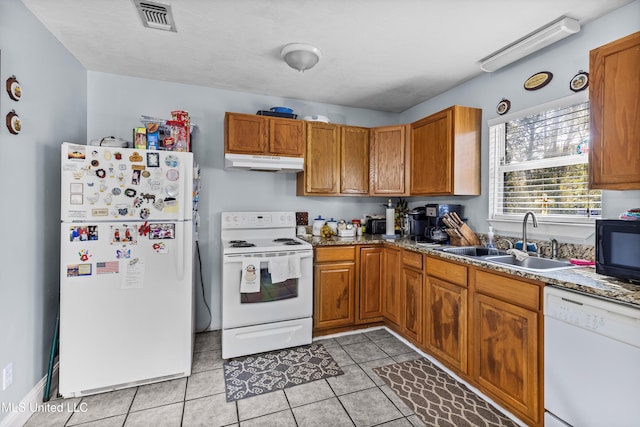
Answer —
(438, 398)
(262, 373)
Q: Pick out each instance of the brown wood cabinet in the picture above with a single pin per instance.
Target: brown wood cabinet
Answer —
(391, 288)
(369, 290)
(334, 281)
(354, 161)
(446, 317)
(336, 161)
(507, 343)
(412, 293)
(389, 161)
(444, 152)
(614, 94)
(263, 135)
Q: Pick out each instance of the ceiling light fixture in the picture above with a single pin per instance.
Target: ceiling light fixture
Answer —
(533, 42)
(300, 56)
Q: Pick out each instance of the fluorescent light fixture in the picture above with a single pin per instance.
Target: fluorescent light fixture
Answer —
(533, 42)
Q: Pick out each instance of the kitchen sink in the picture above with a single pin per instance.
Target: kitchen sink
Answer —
(474, 251)
(531, 263)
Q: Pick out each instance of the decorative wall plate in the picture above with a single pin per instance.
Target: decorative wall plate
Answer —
(579, 82)
(13, 88)
(538, 80)
(13, 123)
(503, 106)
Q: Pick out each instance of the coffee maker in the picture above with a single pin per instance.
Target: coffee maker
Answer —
(434, 213)
(417, 223)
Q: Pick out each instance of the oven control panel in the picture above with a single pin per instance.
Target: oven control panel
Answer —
(258, 219)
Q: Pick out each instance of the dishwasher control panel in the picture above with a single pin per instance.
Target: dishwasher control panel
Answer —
(607, 318)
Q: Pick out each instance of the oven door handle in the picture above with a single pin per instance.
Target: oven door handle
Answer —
(233, 258)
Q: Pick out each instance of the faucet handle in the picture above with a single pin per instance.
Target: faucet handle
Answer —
(554, 248)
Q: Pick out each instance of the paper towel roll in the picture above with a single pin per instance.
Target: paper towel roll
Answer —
(391, 221)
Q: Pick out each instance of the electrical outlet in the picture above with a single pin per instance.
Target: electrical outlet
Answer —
(7, 376)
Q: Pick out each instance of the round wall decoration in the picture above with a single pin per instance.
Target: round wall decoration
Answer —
(13, 88)
(503, 106)
(13, 123)
(579, 82)
(538, 80)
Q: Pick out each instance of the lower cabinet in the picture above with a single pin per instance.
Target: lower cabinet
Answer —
(412, 286)
(391, 291)
(369, 291)
(507, 343)
(334, 283)
(446, 317)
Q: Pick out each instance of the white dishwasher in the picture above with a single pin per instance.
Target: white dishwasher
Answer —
(591, 361)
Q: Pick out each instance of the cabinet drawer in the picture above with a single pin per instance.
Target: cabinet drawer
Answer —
(453, 273)
(508, 289)
(412, 259)
(342, 253)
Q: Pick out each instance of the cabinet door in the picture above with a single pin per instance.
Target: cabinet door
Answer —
(334, 285)
(431, 155)
(506, 354)
(391, 290)
(412, 294)
(446, 323)
(245, 134)
(354, 160)
(614, 80)
(286, 137)
(322, 158)
(387, 174)
(369, 290)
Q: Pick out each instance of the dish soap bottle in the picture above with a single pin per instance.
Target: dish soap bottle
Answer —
(490, 236)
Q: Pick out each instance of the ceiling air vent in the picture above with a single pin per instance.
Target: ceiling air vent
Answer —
(155, 15)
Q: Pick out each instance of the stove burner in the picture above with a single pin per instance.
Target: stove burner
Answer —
(292, 243)
(284, 239)
(237, 241)
(242, 244)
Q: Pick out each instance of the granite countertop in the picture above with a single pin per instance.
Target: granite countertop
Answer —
(580, 279)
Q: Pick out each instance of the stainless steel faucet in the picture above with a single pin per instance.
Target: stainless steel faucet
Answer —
(524, 228)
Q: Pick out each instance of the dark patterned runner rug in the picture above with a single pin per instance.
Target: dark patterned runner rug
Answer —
(265, 372)
(438, 398)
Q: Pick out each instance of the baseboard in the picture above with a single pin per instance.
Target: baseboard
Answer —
(22, 411)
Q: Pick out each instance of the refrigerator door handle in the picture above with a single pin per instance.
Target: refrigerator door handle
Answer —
(181, 251)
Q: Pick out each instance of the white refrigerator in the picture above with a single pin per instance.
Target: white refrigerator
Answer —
(126, 268)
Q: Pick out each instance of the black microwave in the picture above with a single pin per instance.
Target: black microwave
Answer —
(618, 248)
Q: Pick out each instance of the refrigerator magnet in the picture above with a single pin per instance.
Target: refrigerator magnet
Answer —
(76, 270)
(171, 161)
(84, 253)
(135, 157)
(160, 248)
(173, 174)
(153, 160)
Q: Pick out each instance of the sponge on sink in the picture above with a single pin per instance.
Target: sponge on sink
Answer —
(531, 247)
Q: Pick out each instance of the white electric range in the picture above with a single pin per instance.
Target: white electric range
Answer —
(272, 315)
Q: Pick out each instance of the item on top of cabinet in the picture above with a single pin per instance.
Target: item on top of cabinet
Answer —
(274, 114)
(110, 141)
(316, 118)
(285, 110)
(503, 106)
(140, 138)
(13, 88)
(579, 82)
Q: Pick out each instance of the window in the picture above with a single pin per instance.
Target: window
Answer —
(539, 161)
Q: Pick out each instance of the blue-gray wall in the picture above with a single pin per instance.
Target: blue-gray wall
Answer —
(64, 102)
(52, 109)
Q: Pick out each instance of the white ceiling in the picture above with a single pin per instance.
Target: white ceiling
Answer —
(377, 54)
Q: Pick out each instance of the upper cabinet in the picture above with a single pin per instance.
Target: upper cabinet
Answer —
(614, 155)
(336, 161)
(444, 152)
(262, 135)
(388, 161)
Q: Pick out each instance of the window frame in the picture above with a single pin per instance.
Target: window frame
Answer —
(555, 226)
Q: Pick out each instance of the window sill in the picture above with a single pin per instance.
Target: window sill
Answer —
(582, 233)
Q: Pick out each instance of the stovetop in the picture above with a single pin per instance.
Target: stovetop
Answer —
(249, 245)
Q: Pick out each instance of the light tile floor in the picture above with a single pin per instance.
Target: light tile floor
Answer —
(359, 397)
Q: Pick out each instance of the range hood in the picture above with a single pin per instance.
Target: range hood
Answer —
(251, 162)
